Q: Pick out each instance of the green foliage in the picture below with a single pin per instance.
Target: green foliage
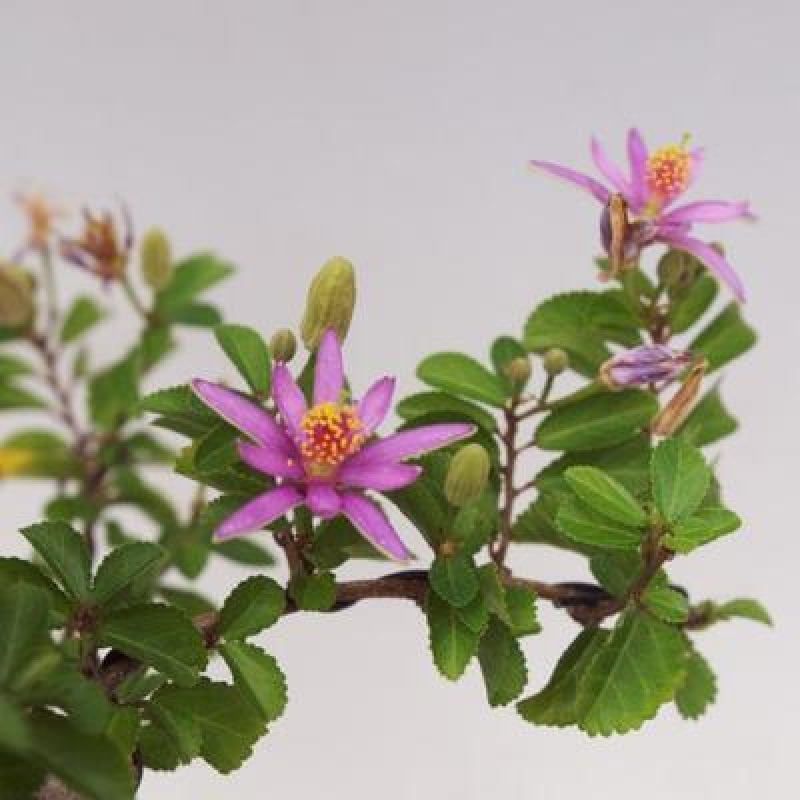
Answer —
(699, 688)
(605, 495)
(455, 408)
(249, 354)
(114, 392)
(65, 553)
(502, 664)
(742, 608)
(580, 522)
(83, 315)
(709, 421)
(255, 604)
(192, 277)
(463, 376)
(706, 525)
(727, 337)
(455, 634)
(314, 592)
(23, 620)
(122, 567)
(454, 579)
(258, 676)
(680, 478)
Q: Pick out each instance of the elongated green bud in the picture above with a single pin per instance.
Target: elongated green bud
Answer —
(467, 475)
(283, 345)
(555, 361)
(16, 296)
(156, 259)
(330, 303)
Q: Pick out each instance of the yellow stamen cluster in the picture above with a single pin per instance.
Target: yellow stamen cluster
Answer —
(331, 433)
(669, 170)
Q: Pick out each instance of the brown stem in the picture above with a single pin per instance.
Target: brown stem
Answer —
(500, 547)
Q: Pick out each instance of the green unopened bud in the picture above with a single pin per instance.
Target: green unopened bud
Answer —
(467, 475)
(677, 269)
(518, 370)
(283, 345)
(16, 296)
(330, 303)
(555, 361)
(156, 259)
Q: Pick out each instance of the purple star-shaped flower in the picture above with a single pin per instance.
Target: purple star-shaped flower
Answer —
(655, 181)
(323, 455)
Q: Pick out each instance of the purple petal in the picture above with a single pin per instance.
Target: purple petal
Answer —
(323, 500)
(375, 404)
(271, 462)
(329, 371)
(288, 398)
(710, 257)
(707, 211)
(373, 525)
(595, 188)
(408, 444)
(381, 477)
(259, 512)
(637, 158)
(610, 170)
(249, 418)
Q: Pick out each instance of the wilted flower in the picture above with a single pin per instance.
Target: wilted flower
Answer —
(322, 455)
(656, 180)
(103, 248)
(680, 405)
(42, 214)
(644, 365)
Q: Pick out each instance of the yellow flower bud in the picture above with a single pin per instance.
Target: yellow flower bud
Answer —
(156, 259)
(283, 345)
(467, 475)
(16, 296)
(555, 361)
(330, 303)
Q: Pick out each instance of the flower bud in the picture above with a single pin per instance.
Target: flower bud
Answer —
(156, 259)
(16, 296)
(518, 370)
(678, 269)
(283, 345)
(555, 361)
(467, 475)
(643, 365)
(680, 405)
(330, 303)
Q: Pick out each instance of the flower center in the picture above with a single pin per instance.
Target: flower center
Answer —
(669, 170)
(331, 433)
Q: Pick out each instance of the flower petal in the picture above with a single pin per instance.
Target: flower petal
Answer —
(710, 257)
(271, 462)
(637, 158)
(375, 404)
(595, 188)
(323, 500)
(707, 211)
(610, 170)
(408, 444)
(329, 370)
(243, 414)
(373, 525)
(288, 398)
(381, 477)
(259, 512)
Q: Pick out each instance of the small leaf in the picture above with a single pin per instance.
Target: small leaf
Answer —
(23, 621)
(15, 733)
(726, 338)
(258, 675)
(580, 522)
(706, 525)
(605, 495)
(173, 739)
(709, 421)
(114, 392)
(314, 592)
(668, 604)
(742, 608)
(446, 405)
(502, 664)
(83, 315)
(249, 354)
(521, 604)
(191, 277)
(688, 304)
(454, 579)
(123, 566)
(680, 479)
(14, 398)
(698, 690)
(245, 551)
(255, 604)
(462, 376)
(65, 552)
(453, 642)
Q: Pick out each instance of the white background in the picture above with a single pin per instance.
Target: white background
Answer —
(397, 134)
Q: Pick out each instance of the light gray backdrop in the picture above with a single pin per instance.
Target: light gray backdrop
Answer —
(397, 134)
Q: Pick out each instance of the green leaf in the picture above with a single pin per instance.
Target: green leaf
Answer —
(454, 579)
(173, 739)
(580, 522)
(706, 525)
(198, 315)
(426, 403)
(217, 449)
(493, 591)
(12, 366)
(596, 422)
(463, 376)
(502, 664)
(246, 552)
(249, 354)
(726, 338)
(13, 398)
(680, 479)
(616, 571)
(709, 421)
(557, 703)
(635, 671)
(15, 570)
(255, 604)
(23, 621)
(15, 733)
(229, 723)
(314, 592)
(668, 604)
(114, 392)
(258, 675)
(504, 350)
(187, 600)
(158, 636)
(605, 495)
(89, 764)
(688, 304)
(176, 400)
(83, 315)
(453, 642)
(698, 690)
(19, 778)
(191, 277)
(742, 608)
(521, 605)
(582, 323)
(65, 553)
(123, 566)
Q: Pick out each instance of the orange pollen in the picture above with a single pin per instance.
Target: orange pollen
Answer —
(669, 170)
(331, 433)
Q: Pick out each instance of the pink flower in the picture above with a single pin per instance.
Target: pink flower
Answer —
(644, 365)
(655, 181)
(323, 455)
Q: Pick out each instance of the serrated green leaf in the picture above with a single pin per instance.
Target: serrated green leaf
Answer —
(174, 738)
(463, 376)
(454, 579)
(216, 449)
(425, 403)
(688, 304)
(706, 525)
(742, 608)
(521, 605)
(23, 621)
(616, 571)
(709, 421)
(159, 636)
(15, 570)
(83, 315)
(605, 495)
(680, 479)
(187, 600)
(727, 337)
(668, 604)
(249, 354)
(314, 592)
(258, 675)
(578, 521)
(699, 688)
(494, 592)
(255, 604)
(65, 553)
(453, 642)
(597, 422)
(123, 566)
(503, 664)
